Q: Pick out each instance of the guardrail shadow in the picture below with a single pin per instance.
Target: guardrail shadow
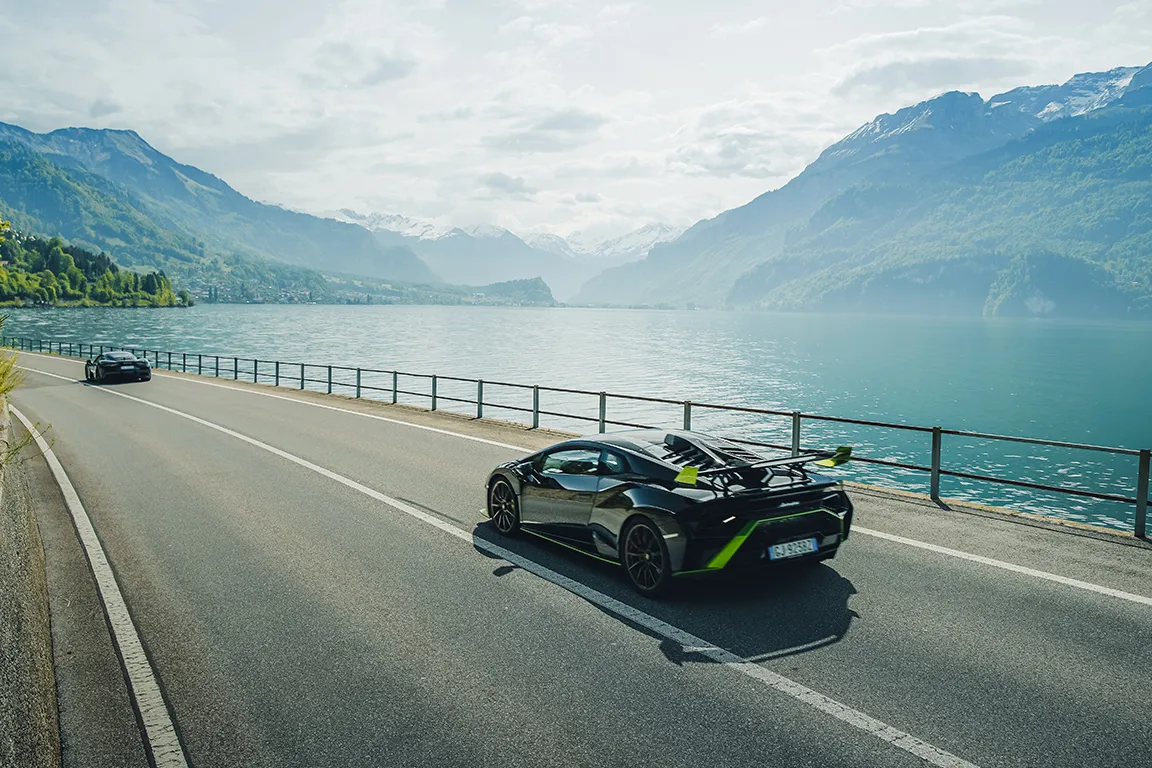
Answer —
(759, 616)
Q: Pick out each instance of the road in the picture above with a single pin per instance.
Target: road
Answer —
(314, 588)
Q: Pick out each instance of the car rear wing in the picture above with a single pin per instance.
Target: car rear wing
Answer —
(689, 475)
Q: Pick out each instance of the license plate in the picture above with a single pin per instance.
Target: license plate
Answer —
(791, 549)
(127, 367)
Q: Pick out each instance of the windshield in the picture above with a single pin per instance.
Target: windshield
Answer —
(120, 357)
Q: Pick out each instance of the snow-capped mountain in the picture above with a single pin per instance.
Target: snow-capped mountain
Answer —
(635, 245)
(546, 241)
(619, 250)
(392, 222)
(1082, 93)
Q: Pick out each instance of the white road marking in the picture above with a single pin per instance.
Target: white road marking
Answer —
(159, 732)
(1085, 585)
(1001, 564)
(897, 738)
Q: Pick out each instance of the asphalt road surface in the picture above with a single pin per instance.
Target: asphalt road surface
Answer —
(313, 588)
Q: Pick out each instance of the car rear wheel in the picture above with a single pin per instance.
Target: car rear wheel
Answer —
(644, 556)
(504, 508)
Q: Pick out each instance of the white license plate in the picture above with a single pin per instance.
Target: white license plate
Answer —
(127, 367)
(791, 549)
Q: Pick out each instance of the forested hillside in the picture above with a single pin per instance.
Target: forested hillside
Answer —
(34, 271)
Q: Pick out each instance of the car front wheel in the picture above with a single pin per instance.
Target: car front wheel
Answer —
(644, 556)
(504, 508)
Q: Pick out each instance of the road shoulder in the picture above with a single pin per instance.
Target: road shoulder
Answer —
(97, 725)
(29, 733)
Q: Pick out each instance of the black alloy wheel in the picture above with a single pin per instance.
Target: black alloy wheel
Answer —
(645, 558)
(503, 508)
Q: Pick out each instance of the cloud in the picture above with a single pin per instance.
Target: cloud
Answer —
(570, 120)
(908, 66)
(961, 6)
(930, 74)
(726, 29)
(500, 184)
(556, 131)
(459, 113)
(102, 108)
(588, 197)
(549, 33)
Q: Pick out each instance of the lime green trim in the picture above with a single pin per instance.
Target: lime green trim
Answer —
(688, 475)
(569, 546)
(732, 547)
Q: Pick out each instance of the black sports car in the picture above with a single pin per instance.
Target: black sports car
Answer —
(117, 365)
(663, 504)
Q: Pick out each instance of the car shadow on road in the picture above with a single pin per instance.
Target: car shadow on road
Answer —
(759, 616)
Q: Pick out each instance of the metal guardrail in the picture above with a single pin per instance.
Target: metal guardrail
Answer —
(299, 375)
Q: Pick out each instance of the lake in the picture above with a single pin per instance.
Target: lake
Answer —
(1076, 381)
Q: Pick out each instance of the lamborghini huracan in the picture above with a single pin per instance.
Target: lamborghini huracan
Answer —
(668, 503)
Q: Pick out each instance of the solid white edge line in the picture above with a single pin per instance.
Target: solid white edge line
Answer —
(159, 732)
(1085, 585)
(925, 751)
(1001, 564)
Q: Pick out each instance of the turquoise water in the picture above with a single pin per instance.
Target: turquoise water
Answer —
(1060, 380)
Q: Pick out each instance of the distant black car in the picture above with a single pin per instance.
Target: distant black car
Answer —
(663, 504)
(116, 365)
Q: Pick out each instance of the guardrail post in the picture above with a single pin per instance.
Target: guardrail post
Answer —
(795, 433)
(329, 379)
(235, 369)
(277, 379)
(935, 482)
(301, 375)
(433, 391)
(70, 350)
(1142, 494)
(255, 371)
(217, 366)
(535, 406)
(687, 415)
(357, 382)
(395, 386)
(169, 357)
(603, 411)
(184, 362)
(480, 399)
(199, 365)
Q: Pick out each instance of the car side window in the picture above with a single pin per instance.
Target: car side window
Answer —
(573, 461)
(613, 463)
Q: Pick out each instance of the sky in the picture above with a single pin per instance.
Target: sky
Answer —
(537, 115)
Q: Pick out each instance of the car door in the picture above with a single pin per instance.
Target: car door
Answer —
(558, 491)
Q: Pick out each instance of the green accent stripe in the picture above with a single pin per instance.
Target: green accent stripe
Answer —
(569, 546)
(732, 547)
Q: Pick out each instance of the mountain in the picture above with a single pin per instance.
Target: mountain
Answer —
(892, 152)
(1057, 223)
(475, 256)
(184, 199)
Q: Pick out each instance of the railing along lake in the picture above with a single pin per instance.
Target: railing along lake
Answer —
(391, 384)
